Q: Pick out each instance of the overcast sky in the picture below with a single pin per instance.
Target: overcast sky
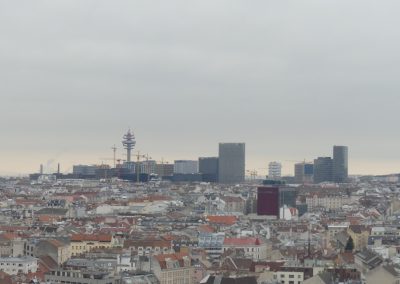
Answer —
(289, 78)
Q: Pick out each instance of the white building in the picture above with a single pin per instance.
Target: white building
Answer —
(15, 265)
(289, 276)
(186, 167)
(274, 170)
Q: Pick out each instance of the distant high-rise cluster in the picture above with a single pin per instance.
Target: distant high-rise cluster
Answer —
(229, 167)
(324, 169)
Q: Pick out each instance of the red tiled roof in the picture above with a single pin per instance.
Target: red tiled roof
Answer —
(161, 258)
(223, 220)
(5, 278)
(206, 228)
(242, 241)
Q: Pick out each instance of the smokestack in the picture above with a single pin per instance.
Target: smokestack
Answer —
(41, 169)
(58, 168)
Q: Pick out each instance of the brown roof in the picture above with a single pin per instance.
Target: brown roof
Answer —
(223, 220)
(162, 258)
(5, 278)
(56, 243)
(93, 238)
(358, 229)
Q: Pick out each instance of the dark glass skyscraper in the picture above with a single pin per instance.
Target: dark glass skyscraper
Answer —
(323, 169)
(340, 163)
(208, 168)
(231, 162)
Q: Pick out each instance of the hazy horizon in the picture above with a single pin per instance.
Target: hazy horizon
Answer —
(290, 79)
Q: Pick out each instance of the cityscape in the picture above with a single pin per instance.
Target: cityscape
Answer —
(199, 142)
(209, 220)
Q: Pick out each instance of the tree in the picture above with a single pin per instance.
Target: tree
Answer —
(349, 245)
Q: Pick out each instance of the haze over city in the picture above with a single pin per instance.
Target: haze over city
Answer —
(287, 78)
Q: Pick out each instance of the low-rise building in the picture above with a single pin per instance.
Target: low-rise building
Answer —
(16, 265)
(253, 247)
(174, 268)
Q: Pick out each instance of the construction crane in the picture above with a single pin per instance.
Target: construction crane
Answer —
(253, 174)
(138, 157)
(266, 169)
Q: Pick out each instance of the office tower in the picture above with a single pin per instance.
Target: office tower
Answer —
(274, 170)
(208, 168)
(231, 163)
(340, 164)
(303, 172)
(323, 169)
(268, 201)
(148, 167)
(186, 167)
(164, 170)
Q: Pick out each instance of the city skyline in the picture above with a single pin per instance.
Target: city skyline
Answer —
(77, 75)
(64, 158)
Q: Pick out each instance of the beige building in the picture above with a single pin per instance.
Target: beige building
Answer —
(148, 247)
(81, 243)
(174, 268)
(359, 234)
(327, 202)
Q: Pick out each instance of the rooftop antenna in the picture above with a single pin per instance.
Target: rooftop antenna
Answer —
(114, 152)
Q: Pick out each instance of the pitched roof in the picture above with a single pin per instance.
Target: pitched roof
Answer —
(242, 241)
(177, 257)
(223, 220)
(93, 238)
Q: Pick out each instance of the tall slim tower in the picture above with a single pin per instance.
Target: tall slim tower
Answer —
(231, 162)
(340, 163)
(129, 143)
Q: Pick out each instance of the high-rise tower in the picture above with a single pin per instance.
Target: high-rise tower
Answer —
(323, 169)
(340, 163)
(274, 170)
(129, 143)
(231, 163)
